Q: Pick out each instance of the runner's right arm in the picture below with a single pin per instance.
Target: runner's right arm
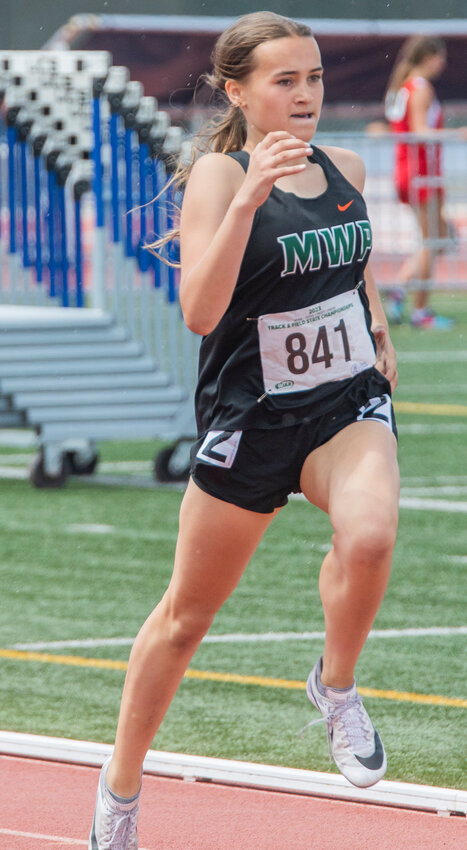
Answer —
(214, 231)
(217, 214)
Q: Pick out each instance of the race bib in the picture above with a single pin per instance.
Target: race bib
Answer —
(302, 349)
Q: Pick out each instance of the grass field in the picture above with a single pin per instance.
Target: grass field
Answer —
(88, 562)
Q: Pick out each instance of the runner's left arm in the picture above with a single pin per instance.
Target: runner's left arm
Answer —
(385, 352)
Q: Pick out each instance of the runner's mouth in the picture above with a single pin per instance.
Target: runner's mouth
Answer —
(303, 115)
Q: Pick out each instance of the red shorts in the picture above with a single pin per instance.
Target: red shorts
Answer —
(417, 194)
(418, 174)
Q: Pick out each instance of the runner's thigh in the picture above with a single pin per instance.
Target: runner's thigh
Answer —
(356, 469)
(216, 541)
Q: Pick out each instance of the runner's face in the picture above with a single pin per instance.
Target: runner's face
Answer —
(285, 89)
(436, 64)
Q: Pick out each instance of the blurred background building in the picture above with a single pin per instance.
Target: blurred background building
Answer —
(166, 44)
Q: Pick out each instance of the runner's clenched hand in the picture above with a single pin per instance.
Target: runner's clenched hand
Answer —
(385, 355)
(279, 154)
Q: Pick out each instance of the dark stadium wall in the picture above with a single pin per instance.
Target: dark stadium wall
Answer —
(25, 25)
(169, 58)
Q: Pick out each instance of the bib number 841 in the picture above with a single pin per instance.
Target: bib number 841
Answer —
(298, 360)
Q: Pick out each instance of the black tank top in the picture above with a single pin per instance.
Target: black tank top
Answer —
(301, 251)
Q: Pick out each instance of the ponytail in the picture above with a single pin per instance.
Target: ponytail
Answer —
(400, 74)
(413, 51)
(223, 133)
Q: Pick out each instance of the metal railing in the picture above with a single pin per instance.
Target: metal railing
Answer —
(396, 232)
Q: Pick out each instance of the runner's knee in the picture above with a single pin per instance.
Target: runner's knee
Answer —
(367, 542)
(185, 624)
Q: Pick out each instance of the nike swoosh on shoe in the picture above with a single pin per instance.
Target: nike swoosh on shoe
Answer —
(375, 761)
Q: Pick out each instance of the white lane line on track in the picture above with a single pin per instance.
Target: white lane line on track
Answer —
(265, 637)
(75, 842)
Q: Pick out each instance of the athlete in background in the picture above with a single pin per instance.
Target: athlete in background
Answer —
(294, 393)
(411, 106)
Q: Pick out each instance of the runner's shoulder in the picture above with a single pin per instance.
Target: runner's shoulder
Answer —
(218, 169)
(349, 163)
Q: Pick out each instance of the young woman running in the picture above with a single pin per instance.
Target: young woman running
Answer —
(412, 107)
(294, 394)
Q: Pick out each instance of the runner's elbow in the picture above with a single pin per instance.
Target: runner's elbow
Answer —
(202, 308)
(196, 320)
(197, 326)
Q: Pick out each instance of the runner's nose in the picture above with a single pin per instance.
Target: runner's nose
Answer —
(302, 95)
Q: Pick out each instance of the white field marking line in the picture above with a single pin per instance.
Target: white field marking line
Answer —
(93, 528)
(432, 388)
(104, 466)
(131, 533)
(239, 637)
(18, 438)
(415, 503)
(444, 428)
(418, 504)
(151, 536)
(16, 460)
(435, 490)
(433, 479)
(126, 479)
(431, 356)
(456, 559)
(90, 528)
(11, 472)
(126, 466)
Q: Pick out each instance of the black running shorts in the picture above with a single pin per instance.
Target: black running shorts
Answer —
(257, 469)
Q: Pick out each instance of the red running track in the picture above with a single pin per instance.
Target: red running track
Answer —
(49, 805)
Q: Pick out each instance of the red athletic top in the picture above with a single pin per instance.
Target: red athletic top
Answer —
(416, 164)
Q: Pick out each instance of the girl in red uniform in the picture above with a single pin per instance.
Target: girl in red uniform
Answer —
(412, 107)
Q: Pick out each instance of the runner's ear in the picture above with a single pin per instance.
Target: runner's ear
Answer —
(234, 91)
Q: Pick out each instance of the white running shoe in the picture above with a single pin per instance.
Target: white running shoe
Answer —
(353, 740)
(115, 824)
